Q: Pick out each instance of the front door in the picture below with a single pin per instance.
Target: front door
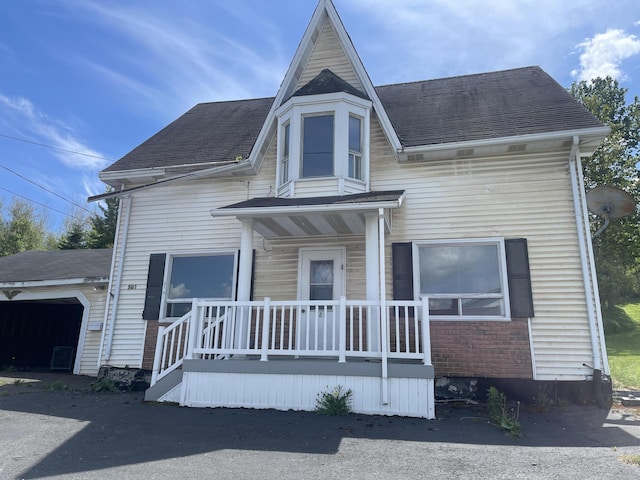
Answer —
(322, 273)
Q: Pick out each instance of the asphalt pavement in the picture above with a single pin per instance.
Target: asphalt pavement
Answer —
(80, 434)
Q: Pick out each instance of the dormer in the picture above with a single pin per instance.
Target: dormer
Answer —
(323, 139)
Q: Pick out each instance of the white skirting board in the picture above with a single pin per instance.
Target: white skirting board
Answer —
(411, 397)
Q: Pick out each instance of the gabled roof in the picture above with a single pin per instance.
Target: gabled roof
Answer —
(508, 103)
(208, 134)
(485, 106)
(89, 265)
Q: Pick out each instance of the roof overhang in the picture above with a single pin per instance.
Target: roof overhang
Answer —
(589, 140)
(53, 283)
(318, 216)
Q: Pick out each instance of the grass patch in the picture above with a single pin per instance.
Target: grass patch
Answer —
(631, 459)
(104, 385)
(57, 385)
(623, 346)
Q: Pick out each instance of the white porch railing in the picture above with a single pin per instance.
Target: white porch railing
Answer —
(339, 329)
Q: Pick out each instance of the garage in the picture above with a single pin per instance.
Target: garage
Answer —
(52, 307)
(40, 334)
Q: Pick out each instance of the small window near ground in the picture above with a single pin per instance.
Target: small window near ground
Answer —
(463, 279)
(207, 277)
(317, 148)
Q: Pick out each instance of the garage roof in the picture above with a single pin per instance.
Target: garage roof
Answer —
(34, 266)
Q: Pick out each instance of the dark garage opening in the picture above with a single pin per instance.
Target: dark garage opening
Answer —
(30, 331)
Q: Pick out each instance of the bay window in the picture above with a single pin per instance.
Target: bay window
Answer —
(323, 145)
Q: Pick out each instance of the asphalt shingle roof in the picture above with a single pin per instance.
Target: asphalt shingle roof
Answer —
(35, 266)
(383, 196)
(471, 107)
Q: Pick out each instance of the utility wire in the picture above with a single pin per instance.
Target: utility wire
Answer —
(45, 206)
(46, 189)
(54, 148)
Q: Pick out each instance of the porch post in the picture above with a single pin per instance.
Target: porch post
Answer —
(372, 281)
(244, 284)
(246, 260)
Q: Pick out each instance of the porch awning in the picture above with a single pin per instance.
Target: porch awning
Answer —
(300, 217)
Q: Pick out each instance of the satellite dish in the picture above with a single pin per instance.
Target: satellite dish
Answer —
(609, 202)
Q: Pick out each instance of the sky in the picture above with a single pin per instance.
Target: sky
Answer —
(84, 82)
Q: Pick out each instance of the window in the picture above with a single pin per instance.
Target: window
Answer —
(355, 147)
(323, 145)
(284, 171)
(206, 276)
(463, 279)
(317, 146)
(321, 280)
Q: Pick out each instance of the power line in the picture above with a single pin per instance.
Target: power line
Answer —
(55, 148)
(45, 206)
(45, 189)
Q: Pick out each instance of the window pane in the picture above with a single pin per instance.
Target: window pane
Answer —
(460, 269)
(482, 306)
(355, 142)
(285, 150)
(317, 154)
(202, 277)
(321, 280)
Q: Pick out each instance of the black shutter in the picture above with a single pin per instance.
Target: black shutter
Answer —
(402, 266)
(519, 278)
(155, 279)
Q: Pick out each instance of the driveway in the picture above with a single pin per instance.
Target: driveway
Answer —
(80, 434)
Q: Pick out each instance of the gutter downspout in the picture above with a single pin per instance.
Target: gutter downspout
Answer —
(116, 295)
(584, 240)
(384, 324)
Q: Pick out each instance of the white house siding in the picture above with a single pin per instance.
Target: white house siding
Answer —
(521, 196)
(173, 219)
(279, 259)
(328, 53)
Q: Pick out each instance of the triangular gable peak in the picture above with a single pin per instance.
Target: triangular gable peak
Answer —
(324, 45)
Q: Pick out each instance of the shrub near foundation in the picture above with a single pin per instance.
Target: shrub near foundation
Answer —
(334, 402)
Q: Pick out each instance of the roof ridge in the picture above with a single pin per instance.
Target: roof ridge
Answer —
(531, 67)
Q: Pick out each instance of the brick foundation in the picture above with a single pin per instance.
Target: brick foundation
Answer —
(481, 349)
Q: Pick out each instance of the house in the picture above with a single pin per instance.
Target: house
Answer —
(52, 309)
(391, 239)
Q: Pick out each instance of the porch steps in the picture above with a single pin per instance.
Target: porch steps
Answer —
(163, 386)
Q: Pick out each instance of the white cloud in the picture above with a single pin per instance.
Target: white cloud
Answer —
(21, 113)
(604, 54)
(169, 63)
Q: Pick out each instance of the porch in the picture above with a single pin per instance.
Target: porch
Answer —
(281, 354)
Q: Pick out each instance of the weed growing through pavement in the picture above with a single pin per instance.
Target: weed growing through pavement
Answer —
(58, 385)
(334, 402)
(501, 415)
(104, 385)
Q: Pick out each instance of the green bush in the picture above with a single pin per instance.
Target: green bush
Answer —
(334, 402)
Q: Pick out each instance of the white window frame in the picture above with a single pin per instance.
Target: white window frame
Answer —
(169, 267)
(502, 268)
(342, 106)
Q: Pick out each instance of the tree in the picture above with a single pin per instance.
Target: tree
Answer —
(103, 226)
(22, 229)
(617, 250)
(75, 238)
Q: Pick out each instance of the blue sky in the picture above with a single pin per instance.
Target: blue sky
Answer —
(100, 77)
